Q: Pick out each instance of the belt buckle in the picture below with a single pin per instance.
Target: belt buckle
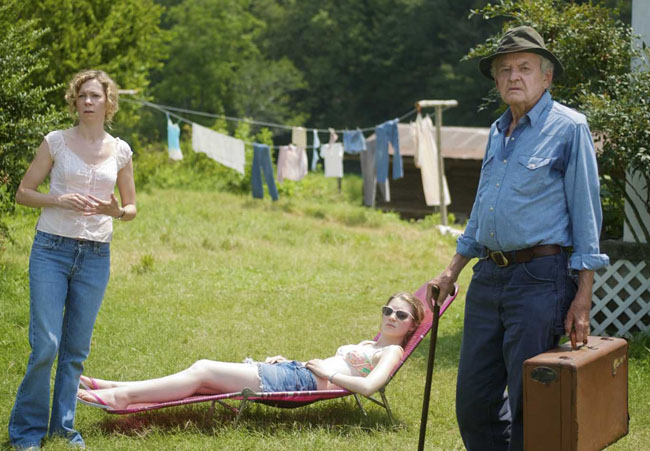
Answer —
(499, 259)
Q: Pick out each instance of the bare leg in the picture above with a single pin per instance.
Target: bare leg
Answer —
(203, 377)
(96, 384)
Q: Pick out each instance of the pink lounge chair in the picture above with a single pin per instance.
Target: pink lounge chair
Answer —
(302, 398)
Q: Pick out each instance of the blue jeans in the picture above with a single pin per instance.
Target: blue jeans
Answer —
(262, 162)
(286, 376)
(67, 280)
(511, 314)
(388, 133)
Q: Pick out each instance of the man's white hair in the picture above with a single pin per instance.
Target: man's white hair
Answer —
(544, 63)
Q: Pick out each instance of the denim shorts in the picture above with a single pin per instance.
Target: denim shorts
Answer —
(285, 376)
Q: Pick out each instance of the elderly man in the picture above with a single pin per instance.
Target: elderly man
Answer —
(534, 225)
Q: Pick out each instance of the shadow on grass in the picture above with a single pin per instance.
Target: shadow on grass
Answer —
(339, 417)
(447, 351)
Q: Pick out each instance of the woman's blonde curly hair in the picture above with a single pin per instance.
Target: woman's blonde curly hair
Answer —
(110, 90)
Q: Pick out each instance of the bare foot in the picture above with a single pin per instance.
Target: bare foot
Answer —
(103, 397)
(96, 384)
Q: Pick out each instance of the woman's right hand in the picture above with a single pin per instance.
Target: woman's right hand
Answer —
(276, 359)
(74, 201)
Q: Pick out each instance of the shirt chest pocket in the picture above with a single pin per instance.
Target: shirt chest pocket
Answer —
(534, 174)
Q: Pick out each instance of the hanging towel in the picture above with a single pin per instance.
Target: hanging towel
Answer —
(221, 148)
(314, 154)
(173, 140)
(292, 163)
(353, 141)
(299, 137)
(387, 133)
(332, 155)
(262, 164)
(427, 161)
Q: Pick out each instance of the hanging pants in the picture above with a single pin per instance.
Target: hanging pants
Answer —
(369, 174)
(388, 133)
(262, 163)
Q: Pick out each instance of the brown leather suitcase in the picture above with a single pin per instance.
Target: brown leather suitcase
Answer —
(576, 400)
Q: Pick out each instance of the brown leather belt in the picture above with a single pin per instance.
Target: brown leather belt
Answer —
(503, 259)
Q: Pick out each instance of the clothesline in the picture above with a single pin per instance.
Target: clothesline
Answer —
(168, 109)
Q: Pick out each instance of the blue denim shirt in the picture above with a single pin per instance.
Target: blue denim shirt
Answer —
(540, 188)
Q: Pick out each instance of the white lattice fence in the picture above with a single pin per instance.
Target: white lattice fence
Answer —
(621, 300)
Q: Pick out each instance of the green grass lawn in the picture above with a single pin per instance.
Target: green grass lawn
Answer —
(221, 276)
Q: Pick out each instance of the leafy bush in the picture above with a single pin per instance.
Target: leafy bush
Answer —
(25, 114)
(621, 114)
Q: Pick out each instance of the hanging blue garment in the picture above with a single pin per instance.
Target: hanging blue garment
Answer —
(262, 163)
(314, 155)
(173, 140)
(388, 133)
(353, 141)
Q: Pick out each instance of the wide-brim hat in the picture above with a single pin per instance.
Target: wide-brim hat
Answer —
(520, 39)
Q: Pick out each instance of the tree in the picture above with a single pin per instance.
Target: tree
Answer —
(25, 114)
(595, 49)
(369, 61)
(216, 66)
(121, 37)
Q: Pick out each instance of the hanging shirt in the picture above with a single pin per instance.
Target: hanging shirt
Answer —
(427, 161)
(353, 141)
(332, 155)
(314, 155)
(292, 163)
(173, 140)
(299, 137)
(222, 148)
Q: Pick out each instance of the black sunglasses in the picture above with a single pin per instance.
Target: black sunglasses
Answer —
(401, 315)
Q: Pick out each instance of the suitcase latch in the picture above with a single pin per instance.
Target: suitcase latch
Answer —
(543, 374)
(617, 363)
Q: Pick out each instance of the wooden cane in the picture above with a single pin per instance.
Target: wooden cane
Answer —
(433, 292)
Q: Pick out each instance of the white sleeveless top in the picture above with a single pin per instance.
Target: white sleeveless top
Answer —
(70, 174)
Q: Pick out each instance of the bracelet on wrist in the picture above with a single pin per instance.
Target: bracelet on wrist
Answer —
(122, 215)
(331, 376)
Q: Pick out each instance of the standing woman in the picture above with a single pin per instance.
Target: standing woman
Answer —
(70, 259)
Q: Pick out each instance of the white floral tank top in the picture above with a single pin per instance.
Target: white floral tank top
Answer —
(70, 174)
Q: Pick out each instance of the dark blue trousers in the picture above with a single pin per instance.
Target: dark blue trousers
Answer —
(511, 314)
(262, 163)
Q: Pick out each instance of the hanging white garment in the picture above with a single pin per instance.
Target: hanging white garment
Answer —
(332, 155)
(292, 163)
(221, 148)
(426, 158)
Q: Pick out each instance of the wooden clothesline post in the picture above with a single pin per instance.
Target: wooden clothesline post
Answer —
(439, 106)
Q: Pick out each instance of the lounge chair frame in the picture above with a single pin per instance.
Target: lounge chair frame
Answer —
(303, 398)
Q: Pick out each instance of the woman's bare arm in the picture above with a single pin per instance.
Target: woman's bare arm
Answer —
(28, 195)
(368, 385)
